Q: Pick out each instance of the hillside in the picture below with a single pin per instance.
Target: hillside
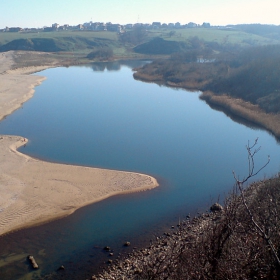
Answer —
(264, 30)
(160, 46)
(131, 42)
(74, 42)
(63, 44)
(253, 75)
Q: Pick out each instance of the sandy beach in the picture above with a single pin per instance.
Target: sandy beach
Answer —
(33, 191)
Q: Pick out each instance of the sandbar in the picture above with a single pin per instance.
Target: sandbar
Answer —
(34, 191)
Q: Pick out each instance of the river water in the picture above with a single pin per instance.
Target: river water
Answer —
(98, 115)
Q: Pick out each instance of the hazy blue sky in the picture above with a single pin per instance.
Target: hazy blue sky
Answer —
(38, 13)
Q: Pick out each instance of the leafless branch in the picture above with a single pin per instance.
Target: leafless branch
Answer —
(252, 173)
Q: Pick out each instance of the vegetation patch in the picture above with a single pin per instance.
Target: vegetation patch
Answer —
(101, 54)
(160, 46)
(38, 44)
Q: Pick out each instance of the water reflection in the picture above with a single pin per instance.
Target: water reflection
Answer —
(241, 120)
(116, 65)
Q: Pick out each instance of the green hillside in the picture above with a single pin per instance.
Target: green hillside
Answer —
(66, 41)
(218, 35)
(131, 41)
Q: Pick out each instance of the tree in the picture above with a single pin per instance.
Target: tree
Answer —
(262, 231)
(136, 36)
(104, 53)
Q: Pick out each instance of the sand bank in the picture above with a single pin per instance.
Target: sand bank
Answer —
(34, 191)
(16, 86)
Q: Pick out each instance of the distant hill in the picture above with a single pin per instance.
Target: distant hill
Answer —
(40, 44)
(163, 41)
(160, 46)
(54, 44)
(264, 30)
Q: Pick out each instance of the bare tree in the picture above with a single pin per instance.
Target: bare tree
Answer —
(252, 151)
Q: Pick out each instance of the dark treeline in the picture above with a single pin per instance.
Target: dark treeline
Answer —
(251, 73)
(136, 36)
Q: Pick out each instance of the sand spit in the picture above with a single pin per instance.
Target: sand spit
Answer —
(16, 86)
(34, 191)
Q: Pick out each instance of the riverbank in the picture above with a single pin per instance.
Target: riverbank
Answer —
(34, 191)
(238, 107)
(206, 246)
(15, 86)
(245, 110)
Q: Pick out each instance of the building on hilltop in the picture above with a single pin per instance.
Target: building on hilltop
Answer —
(80, 27)
(191, 25)
(55, 26)
(206, 24)
(63, 27)
(13, 29)
(128, 26)
(114, 27)
(156, 25)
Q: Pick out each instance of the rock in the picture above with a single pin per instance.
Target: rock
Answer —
(127, 243)
(137, 271)
(110, 261)
(107, 248)
(33, 262)
(216, 207)
(61, 267)
(111, 254)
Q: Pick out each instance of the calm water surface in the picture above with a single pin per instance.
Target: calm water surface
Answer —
(98, 115)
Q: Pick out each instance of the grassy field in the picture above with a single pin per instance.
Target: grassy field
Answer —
(6, 37)
(221, 36)
(78, 42)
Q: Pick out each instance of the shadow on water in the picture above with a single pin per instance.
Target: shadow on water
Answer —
(240, 120)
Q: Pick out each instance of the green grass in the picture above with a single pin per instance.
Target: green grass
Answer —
(6, 37)
(79, 42)
(214, 35)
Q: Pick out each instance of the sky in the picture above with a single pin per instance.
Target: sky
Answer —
(39, 13)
